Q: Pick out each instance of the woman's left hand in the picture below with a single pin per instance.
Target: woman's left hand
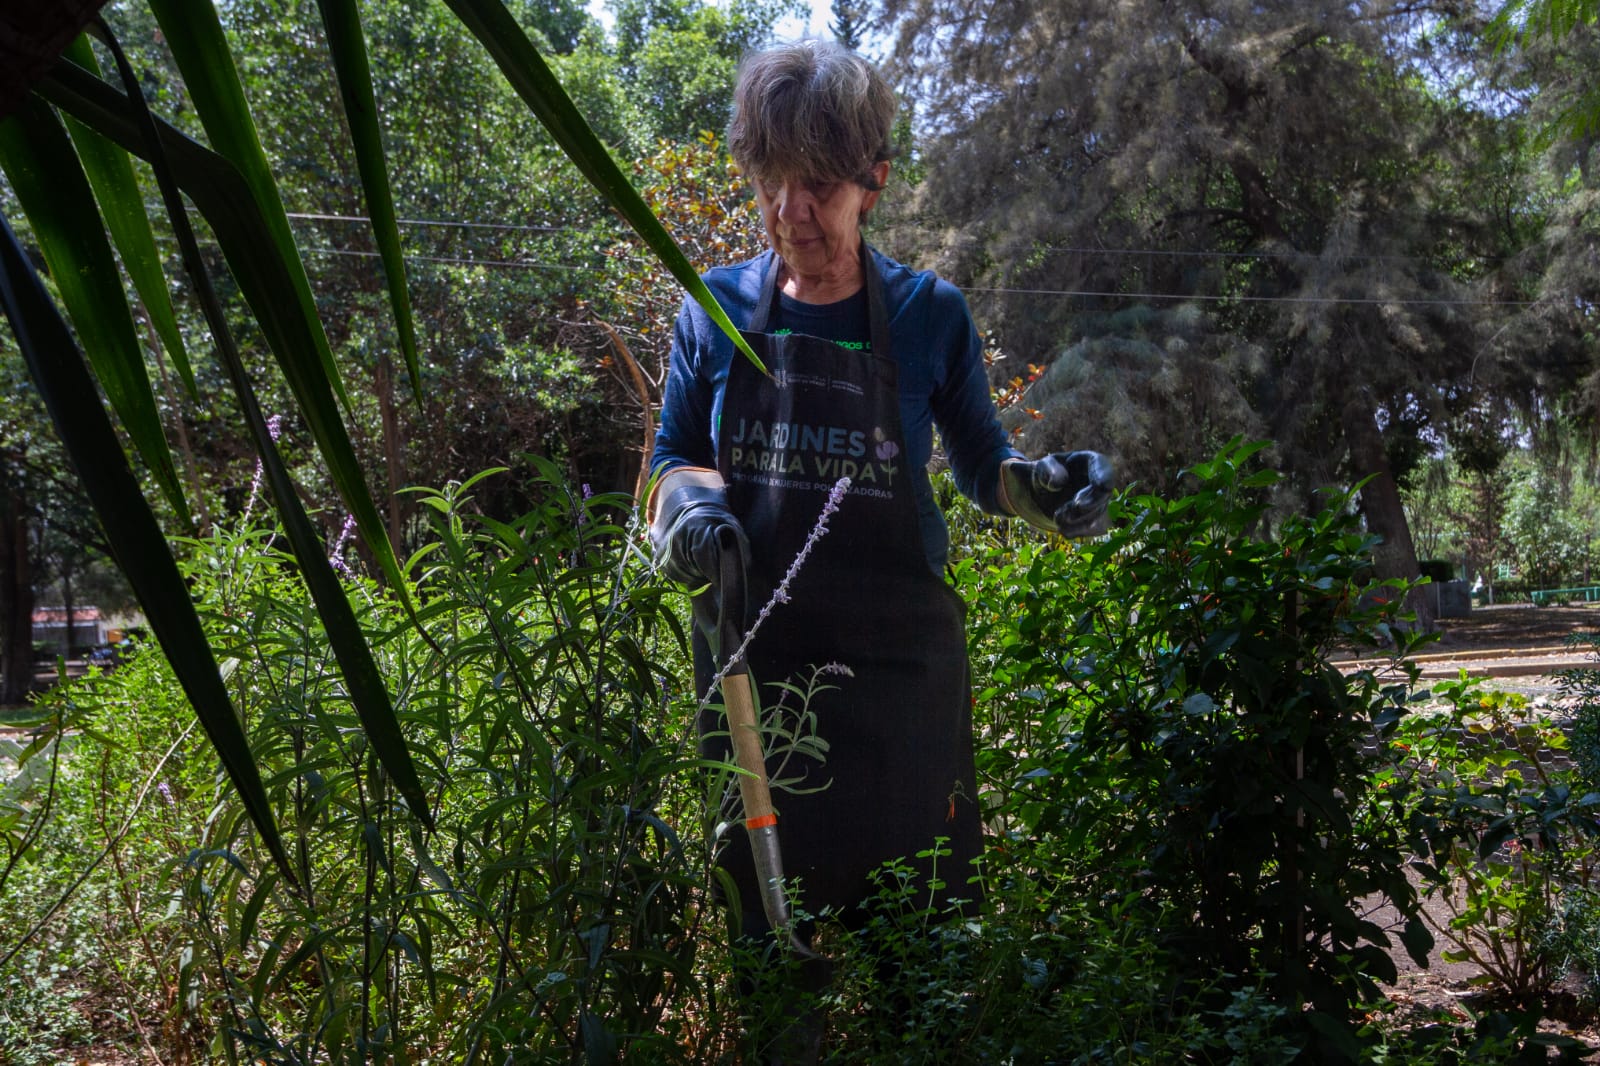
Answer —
(1064, 493)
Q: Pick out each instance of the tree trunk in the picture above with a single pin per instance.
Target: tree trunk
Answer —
(16, 595)
(1395, 556)
(68, 607)
(392, 447)
(191, 468)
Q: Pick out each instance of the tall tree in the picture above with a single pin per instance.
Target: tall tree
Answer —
(1209, 219)
(849, 22)
(677, 58)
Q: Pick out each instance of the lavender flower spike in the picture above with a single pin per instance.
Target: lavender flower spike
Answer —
(337, 557)
(780, 594)
(274, 430)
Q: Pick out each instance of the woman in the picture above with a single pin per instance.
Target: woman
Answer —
(865, 357)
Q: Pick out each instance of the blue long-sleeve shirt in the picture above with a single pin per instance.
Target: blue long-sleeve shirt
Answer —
(932, 338)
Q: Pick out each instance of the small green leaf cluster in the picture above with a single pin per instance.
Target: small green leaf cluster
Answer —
(1508, 832)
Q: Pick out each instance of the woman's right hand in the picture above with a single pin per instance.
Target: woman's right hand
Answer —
(692, 526)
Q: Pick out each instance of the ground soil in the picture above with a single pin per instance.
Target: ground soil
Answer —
(1517, 626)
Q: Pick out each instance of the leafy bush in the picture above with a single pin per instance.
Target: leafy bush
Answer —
(1161, 723)
(1507, 834)
(1187, 819)
(557, 908)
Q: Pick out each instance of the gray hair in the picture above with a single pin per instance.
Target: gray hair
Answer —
(812, 110)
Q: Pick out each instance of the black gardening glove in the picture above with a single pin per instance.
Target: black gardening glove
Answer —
(693, 526)
(1062, 493)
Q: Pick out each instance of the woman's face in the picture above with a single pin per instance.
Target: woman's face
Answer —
(815, 227)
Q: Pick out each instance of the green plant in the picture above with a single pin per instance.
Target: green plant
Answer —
(1160, 703)
(1507, 835)
(40, 1024)
(557, 909)
(88, 893)
(1571, 942)
(1581, 687)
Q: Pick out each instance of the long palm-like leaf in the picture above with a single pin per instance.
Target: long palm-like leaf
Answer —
(233, 188)
(193, 32)
(342, 23)
(140, 547)
(222, 196)
(362, 680)
(220, 193)
(39, 160)
(116, 190)
(539, 88)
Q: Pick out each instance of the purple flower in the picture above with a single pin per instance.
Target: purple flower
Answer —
(780, 594)
(337, 558)
(274, 429)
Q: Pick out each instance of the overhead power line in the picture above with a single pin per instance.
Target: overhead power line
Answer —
(1062, 248)
(525, 264)
(532, 264)
(1365, 257)
(443, 222)
(1258, 299)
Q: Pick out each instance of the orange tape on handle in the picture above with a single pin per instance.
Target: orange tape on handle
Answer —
(762, 822)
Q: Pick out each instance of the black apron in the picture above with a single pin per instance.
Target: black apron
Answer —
(898, 770)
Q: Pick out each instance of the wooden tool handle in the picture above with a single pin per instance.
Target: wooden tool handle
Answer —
(747, 750)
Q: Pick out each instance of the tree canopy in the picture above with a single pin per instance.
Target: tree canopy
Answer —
(1322, 226)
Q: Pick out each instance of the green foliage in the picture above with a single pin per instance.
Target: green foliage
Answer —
(1065, 978)
(1165, 879)
(555, 906)
(39, 1022)
(1551, 547)
(1522, 22)
(1162, 704)
(676, 59)
(90, 837)
(1508, 834)
(1582, 687)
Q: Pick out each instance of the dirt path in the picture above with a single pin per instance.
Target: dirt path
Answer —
(1519, 626)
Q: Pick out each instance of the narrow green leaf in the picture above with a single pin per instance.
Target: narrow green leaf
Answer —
(539, 88)
(252, 911)
(310, 947)
(135, 537)
(116, 189)
(218, 190)
(39, 160)
(342, 23)
(362, 679)
(194, 34)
